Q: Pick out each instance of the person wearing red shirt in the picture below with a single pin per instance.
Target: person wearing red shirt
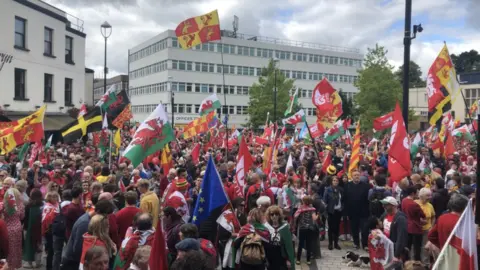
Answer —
(440, 232)
(280, 176)
(126, 215)
(73, 211)
(415, 220)
(4, 243)
(57, 177)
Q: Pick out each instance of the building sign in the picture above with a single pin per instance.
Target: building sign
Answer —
(5, 58)
(185, 118)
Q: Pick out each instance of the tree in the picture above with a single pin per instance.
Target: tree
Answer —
(379, 90)
(262, 96)
(414, 76)
(347, 106)
(466, 61)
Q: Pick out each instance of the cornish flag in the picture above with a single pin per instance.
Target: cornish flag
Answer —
(460, 250)
(209, 104)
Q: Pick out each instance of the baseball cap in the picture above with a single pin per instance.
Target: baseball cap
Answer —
(389, 200)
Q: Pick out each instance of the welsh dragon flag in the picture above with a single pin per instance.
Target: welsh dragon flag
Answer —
(464, 132)
(151, 136)
(244, 162)
(415, 145)
(295, 119)
(108, 98)
(211, 103)
(335, 132)
(292, 102)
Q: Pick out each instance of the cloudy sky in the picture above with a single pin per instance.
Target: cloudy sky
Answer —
(350, 23)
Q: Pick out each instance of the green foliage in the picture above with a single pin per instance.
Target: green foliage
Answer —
(414, 77)
(347, 106)
(466, 61)
(379, 90)
(262, 96)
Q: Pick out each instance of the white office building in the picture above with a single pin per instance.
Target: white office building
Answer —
(160, 65)
(42, 55)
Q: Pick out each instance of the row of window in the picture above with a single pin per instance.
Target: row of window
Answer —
(155, 47)
(48, 36)
(238, 70)
(119, 86)
(189, 87)
(48, 89)
(145, 71)
(249, 51)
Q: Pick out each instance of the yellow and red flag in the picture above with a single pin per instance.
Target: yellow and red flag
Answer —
(198, 30)
(200, 125)
(355, 158)
(166, 160)
(328, 103)
(442, 85)
(123, 117)
(25, 130)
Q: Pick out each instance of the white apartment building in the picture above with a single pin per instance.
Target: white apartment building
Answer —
(160, 65)
(42, 51)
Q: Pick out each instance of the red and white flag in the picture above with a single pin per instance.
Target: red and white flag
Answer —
(399, 164)
(83, 110)
(196, 153)
(383, 122)
(460, 250)
(244, 162)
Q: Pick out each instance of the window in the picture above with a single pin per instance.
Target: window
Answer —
(20, 75)
(204, 67)
(48, 41)
(219, 89)
(197, 108)
(181, 65)
(181, 87)
(68, 91)
(68, 50)
(211, 68)
(20, 31)
(189, 87)
(224, 110)
(188, 108)
(47, 89)
(174, 42)
(174, 64)
(189, 65)
(204, 88)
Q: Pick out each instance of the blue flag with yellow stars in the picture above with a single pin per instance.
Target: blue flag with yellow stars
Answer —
(211, 195)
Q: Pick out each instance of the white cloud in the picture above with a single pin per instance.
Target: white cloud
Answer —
(348, 23)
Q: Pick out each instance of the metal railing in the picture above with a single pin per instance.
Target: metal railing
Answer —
(285, 42)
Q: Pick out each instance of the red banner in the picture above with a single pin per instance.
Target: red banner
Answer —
(383, 122)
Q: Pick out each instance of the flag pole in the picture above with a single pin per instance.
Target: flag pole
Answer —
(468, 112)
(313, 140)
(225, 103)
(110, 152)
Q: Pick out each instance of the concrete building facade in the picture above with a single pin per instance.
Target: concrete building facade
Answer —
(159, 66)
(42, 55)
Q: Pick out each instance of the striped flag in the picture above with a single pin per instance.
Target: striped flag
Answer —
(355, 158)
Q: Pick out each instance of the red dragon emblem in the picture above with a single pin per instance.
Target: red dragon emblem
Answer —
(207, 105)
(149, 135)
(189, 39)
(117, 103)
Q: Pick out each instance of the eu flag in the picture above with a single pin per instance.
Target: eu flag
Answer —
(211, 195)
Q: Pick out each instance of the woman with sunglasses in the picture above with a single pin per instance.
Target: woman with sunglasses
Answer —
(281, 244)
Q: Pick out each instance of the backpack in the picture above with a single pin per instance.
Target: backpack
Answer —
(58, 225)
(252, 198)
(252, 251)
(375, 206)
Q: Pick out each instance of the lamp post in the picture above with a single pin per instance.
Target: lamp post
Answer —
(172, 98)
(275, 61)
(407, 41)
(106, 30)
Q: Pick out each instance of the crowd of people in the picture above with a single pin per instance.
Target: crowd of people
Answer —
(73, 210)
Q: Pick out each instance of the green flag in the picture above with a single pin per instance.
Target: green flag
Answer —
(293, 101)
(152, 135)
(49, 142)
(23, 151)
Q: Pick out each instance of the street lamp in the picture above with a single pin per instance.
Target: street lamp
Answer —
(275, 61)
(407, 41)
(172, 97)
(106, 30)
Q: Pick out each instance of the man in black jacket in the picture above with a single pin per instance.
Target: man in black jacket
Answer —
(440, 197)
(395, 227)
(356, 204)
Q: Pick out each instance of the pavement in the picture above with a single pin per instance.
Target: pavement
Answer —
(331, 259)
